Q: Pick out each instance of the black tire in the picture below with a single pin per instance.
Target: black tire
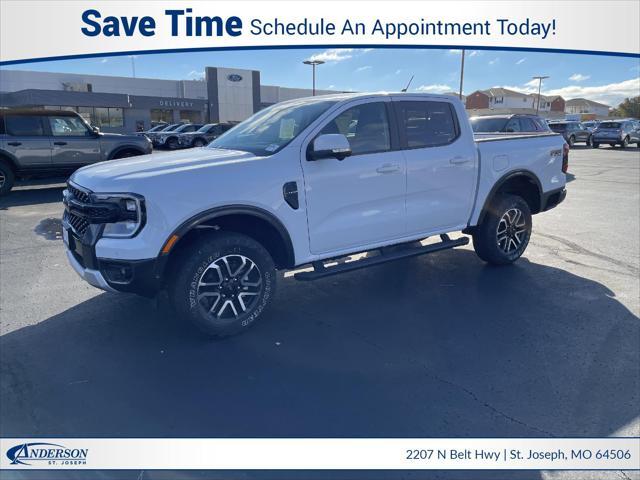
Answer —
(126, 154)
(571, 141)
(612, 145)
(625, 142)
(198, 142)
(589, 141)
(203, 261)
(172, 143)
(7, 177)
(485, 238)
(595, 144)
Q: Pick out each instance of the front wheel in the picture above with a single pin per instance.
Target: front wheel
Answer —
(223, 283)
(504, 233)
(625, 142)
(595, 144)
(198, 142)
(571, 141)
(172, 143)
(6, 178)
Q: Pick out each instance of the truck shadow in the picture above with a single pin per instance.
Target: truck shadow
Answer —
(438, 346)
(32, 196)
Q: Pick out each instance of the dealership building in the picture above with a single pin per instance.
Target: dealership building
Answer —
(127, 104)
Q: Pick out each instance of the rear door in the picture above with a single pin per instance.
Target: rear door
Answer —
(441, 165)
(74, 144)
(360, 200)
(26, 140)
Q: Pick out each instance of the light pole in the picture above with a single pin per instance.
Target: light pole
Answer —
(313, 64)
(539, 78)
(461, 75)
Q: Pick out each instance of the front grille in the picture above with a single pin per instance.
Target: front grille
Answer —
(78, 224)
(78, 194)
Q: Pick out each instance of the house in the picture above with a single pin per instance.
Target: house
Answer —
(495, 101)
(577, 106)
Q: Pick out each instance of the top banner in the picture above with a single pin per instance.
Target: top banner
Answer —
(45, 30)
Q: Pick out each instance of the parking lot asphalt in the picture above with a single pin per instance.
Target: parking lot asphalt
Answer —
(435, 346)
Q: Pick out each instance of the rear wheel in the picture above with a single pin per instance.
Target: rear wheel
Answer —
(504, 233)
(589, 140)
(6, 177)
(571, 141)
(625, 142)
(223, 283)
(595, 144)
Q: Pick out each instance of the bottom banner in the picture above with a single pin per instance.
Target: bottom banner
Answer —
(322, 454)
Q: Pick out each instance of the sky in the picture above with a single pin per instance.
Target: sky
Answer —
(603, 79)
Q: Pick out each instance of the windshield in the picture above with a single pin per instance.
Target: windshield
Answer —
(486, 125)
(558, 127)
(170, 128)
(610, 125)
(205, 128)
(157, 128)
(273, 128)
(182, 127)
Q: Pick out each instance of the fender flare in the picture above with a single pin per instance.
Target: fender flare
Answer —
(248, 210)
(12, 160)
(504, 179)
(119, 149)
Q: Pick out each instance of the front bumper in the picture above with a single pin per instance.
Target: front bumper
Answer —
(92, 277)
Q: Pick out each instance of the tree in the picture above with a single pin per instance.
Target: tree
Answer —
(629, 108)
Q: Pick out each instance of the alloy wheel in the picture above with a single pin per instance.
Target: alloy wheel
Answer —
(230, 286)
(2, 179)
(511, 231)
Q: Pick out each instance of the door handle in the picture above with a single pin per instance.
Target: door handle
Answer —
(59, 143)
(388, 168)
(14, 144)
(459, 160)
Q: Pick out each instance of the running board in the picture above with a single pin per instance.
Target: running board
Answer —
(320, 271)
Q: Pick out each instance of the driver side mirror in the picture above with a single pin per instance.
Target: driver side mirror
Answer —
(330, 145)
(95, 131)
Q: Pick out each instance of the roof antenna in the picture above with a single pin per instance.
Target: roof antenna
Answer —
(407, 87)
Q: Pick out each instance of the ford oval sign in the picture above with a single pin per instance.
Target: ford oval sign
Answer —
(234, 77)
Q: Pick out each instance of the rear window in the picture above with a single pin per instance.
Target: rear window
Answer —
(610, 125)
(427, 124)
(488, 125)
(558, 127)
(24, 125)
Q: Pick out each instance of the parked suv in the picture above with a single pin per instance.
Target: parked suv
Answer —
(42, 142)
(573, 132)
(508, 124)
(203, 135)
(619, 132)
(156, 128)
(170, 139)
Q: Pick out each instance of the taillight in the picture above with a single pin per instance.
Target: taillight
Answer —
(565, 158)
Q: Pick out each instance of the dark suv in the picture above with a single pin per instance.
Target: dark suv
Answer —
(169, 138)
(518, 123)
(203, 135)
(45, 142)
(617, 132)
(573, 132)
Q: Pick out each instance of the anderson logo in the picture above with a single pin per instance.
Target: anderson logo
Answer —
(51, 453)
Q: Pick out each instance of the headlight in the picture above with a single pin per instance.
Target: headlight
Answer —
(130, 216)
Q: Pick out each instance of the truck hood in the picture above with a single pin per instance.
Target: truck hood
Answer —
(130, 174)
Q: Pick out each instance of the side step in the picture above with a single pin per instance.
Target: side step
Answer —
(320, 271)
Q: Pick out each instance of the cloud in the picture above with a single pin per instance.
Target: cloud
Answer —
(434, 88)
(494, 61)
(521, 61)
(104, 60)
(330, 87)
(610, 94)
(474, 53)
(398, 72)
(195, 75)
(578, 77)
(338, 54)
(533, 83)
(455, 50)
(362, 69)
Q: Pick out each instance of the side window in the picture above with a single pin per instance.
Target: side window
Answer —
(527, 125)
(67, 127)
(427, 124)
(513, 125)
(365, 126)
(24, 125)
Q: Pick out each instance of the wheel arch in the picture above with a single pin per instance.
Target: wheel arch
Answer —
(254, 222)
(10, 160)
(123, 148)
(520, 182)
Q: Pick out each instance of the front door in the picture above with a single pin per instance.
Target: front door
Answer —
(74, 144)
(359, 200)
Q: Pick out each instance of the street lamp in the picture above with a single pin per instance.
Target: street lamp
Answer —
(461, 75)
(540, 78)
(313, 64)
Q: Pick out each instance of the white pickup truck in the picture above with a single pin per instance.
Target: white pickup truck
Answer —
(305, 182)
